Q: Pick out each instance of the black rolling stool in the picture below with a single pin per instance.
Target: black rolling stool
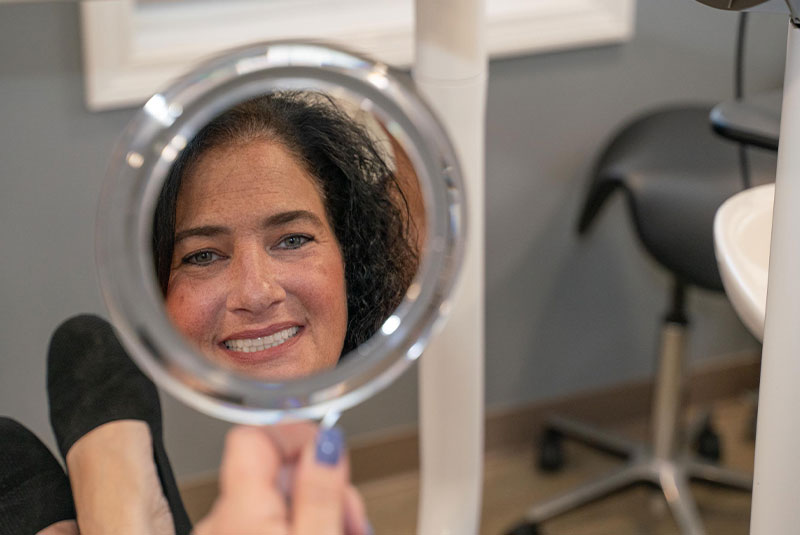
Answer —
(675, 173)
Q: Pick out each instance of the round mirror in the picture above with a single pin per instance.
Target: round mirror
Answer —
(279, 232)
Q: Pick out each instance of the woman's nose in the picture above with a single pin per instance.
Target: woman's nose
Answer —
(254, 283)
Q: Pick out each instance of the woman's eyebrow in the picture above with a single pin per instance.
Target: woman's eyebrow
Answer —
(204, 231)
(288, 217)
(274, 220)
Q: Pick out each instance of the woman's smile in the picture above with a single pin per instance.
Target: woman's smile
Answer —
(251, 353)
(260, 343)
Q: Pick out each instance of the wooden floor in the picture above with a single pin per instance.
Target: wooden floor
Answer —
(511, 484)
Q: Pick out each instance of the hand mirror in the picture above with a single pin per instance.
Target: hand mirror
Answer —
(279, 232)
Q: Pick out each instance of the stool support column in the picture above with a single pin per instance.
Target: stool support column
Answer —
(668, 392)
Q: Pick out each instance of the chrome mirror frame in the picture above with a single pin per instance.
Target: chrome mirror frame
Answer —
(139, 166)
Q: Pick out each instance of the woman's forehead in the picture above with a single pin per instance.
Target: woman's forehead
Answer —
(259, 177)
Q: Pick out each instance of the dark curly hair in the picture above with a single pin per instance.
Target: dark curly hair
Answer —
(365, 205)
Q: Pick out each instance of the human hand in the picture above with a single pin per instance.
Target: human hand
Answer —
(319, 499)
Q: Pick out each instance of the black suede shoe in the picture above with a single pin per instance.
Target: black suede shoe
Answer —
(34, 491)
(92, 381)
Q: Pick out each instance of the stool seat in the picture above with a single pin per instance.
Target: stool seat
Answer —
(675, 172)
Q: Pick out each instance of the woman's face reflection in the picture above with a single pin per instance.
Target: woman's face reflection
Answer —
(257, 276)
(282, 239)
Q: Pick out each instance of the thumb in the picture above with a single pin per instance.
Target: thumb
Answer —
(250, 500)
(320, 483)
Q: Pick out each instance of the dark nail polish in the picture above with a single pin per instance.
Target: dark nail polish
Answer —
(330, 443)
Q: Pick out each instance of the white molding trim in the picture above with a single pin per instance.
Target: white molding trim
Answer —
(131, 49)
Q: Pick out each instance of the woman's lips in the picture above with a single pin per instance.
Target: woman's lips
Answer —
(260, 343)
(253, 346)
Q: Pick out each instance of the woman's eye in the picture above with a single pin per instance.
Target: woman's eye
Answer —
(295, 241)
(201, 258)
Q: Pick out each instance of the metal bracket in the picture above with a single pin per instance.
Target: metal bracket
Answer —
(794, 10)
(746, 5)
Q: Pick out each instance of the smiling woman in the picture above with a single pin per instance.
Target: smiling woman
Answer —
(257, 277)
(282, 239)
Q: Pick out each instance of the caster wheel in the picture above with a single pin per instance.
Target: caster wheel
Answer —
(526, 528)
(708, 445)
(551, 451)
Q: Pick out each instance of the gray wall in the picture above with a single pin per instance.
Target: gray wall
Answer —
(562, 314)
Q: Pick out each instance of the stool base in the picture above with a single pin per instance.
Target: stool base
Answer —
(670, 475)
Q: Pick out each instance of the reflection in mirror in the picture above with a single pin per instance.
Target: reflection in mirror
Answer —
(287, 231)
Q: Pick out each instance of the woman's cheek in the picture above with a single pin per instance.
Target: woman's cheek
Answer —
(335, 300)
(320, 287)
(192, 307)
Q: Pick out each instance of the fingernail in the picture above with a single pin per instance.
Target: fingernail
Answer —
(369, 530)
(330, 443)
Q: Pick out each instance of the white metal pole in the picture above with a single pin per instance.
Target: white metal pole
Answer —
(450, 70)
(776, 483)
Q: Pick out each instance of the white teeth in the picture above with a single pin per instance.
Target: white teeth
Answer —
(250, 345)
